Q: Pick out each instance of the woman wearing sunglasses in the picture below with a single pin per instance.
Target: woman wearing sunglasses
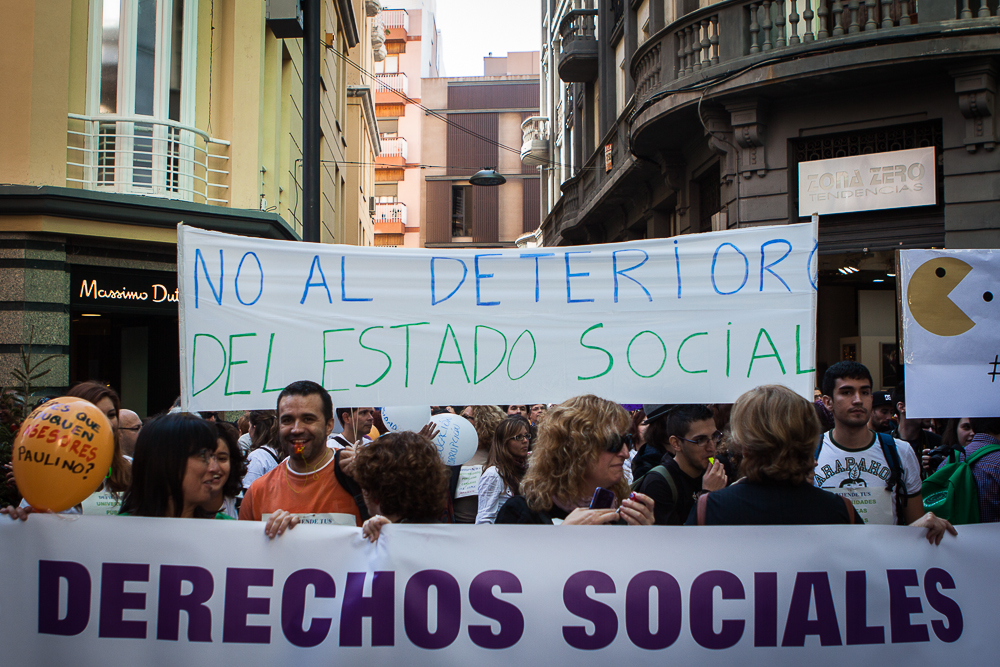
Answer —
(505, 467)
(176, 468)
(578, 456)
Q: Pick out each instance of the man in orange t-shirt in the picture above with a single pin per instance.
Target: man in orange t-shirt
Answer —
(306, 481)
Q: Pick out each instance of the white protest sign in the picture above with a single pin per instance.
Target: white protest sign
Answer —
(698, 318)
(468, 595)
(870, 182)
(951, 332)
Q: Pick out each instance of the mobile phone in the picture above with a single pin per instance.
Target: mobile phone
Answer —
(603, 499)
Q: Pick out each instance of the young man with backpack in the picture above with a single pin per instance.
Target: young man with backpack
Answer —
(880, 474)
(688, 469)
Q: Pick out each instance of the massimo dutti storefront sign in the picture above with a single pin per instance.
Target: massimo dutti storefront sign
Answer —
(123, 290)
(897, 179)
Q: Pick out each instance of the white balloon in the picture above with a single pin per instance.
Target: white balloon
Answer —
(406, 417)
(457, 441)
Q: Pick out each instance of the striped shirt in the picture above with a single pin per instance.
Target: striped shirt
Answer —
(987, 473)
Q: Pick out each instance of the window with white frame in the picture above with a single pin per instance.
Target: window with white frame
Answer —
(141, 86)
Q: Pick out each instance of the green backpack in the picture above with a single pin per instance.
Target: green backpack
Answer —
(952, 493)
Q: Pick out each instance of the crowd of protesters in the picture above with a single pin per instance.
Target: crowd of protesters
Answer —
(772, 457)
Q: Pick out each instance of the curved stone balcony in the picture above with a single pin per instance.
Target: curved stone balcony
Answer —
(810, 44)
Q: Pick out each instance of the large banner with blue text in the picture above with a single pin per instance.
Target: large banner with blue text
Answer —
(698, 318)
(105, 591)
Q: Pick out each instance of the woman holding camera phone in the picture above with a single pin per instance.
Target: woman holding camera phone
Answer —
(579, 452)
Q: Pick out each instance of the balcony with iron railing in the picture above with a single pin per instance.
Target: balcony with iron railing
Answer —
(535, 141)
(393, 153)
(397, 24)
(391, 216)
(391, 88)
(146, 156)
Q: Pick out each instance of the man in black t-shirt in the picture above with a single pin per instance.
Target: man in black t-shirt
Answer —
(689, 435)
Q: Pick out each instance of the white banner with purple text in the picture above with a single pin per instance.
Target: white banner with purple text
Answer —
(105, 591)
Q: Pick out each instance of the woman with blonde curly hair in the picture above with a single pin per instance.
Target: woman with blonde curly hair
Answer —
(403, 480)
(776, 431)
(580, 448)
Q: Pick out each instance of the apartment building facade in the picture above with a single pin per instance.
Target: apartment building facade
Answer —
(124, 118)
(671, 118)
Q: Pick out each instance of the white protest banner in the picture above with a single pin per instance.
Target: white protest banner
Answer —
(951, 332)
(870, 182)
(106, 591)
(699, 318)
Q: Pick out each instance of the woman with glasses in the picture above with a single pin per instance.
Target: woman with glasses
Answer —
(505, 467)
(226, 484)
(580, 449)
(689, 468)
(175, 469)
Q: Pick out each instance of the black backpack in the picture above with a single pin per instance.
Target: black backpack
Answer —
(660, 470)
(894, 483)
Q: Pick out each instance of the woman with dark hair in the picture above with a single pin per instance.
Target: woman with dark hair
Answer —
(175, 468)
(403, 480)
(107, 401)
(580, 449)
(265, 452)
(505, 467)
(226, 485)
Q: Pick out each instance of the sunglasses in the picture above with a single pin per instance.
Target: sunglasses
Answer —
(616, 442)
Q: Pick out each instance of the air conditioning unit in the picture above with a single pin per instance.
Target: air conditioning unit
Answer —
(284, 18)
(371, 207)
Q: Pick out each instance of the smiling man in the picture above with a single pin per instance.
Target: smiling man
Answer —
(306, 482)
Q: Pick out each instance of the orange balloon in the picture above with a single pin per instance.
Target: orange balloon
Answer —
(62, 453)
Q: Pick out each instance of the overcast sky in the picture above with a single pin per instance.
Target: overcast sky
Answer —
(471, 29)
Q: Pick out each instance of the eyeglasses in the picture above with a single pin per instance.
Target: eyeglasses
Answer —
(702, 440)
(129, 428)
(522, 438)
(206, 455)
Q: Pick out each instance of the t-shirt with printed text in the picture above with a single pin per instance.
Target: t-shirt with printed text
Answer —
(862, 475)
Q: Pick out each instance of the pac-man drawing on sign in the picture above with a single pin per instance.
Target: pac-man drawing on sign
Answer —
(929, 296)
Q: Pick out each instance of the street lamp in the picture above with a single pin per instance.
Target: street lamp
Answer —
(487, 176)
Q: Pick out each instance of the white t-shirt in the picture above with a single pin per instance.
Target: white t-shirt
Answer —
(861, 475)
(259, 463)
(493, 493)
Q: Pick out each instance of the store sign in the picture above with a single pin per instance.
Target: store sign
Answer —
(123, 289)
(897, 179)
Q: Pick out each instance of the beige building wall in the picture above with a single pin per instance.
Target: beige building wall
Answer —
(248, 93)
(357, 225)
